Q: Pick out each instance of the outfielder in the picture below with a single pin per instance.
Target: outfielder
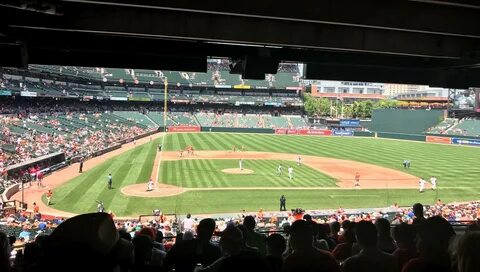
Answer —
(279, 170)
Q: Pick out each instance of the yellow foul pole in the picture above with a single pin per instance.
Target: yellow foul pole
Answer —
(165, 98)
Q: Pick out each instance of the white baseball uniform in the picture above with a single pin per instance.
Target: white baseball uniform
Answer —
(279, 170)
(290, 172)
(421, 183)
(433, 180)
(240, 162)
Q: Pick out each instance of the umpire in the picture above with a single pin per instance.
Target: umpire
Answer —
(283, 202)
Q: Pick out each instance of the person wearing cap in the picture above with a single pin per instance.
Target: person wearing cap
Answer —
(110, 181)
(86, 242)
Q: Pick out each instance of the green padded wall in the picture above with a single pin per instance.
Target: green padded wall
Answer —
(405, 121)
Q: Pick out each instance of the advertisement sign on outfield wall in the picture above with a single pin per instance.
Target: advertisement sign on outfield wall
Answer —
(321, 132)
(350, 122)
(183, 129)
(466, 141)
(342, 133)
(437, 139)
(28, 94)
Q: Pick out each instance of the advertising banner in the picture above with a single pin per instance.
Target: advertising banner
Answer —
(281, 131)
(321, 132)
(183, 129)
(437, 139)
(342, 133)
(466, 141)
(349, 122)
(27, 93)
(114, 98)
(5, 93)
(139, 99)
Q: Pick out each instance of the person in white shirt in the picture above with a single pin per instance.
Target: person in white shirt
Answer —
(290, 172)
(279, 170)
(187, 223)
(433, 181)
(421, 183)
(150, 185)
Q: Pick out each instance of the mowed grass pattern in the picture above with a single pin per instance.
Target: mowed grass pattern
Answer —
(455, 167)
(208, 174)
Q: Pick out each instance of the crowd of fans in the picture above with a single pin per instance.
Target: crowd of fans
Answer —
(335, 242)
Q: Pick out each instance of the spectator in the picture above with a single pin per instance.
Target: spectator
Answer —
(435, 235)
(305, 257)
(404, 234)
(254, 239)
(370, 257)
(385, 241)
(276, 245)
(185, 255)
(418, 212)
(344, 250)
(4, 252)
(468, 253)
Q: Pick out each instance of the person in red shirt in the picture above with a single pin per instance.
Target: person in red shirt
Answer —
(35, 208)
(40, 178)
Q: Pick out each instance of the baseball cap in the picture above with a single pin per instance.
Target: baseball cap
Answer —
(95, 231)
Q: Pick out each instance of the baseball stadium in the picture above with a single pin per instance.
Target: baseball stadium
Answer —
(153, 146)
(193, 162)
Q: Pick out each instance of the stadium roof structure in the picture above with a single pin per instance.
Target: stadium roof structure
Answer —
(426, 42)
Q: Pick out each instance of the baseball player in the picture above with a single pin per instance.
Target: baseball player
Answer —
(110, 181)
(240, 163)
(421, 183)
(290, 172)
(433, 181)
(357, 180)
(299, 160)
(150, 185)
(279, 170)
(49, 196)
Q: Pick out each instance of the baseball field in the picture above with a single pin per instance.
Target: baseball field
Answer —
(210, 180)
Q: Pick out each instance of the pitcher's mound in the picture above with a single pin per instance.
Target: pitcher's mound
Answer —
(237, 171)
(160, 190)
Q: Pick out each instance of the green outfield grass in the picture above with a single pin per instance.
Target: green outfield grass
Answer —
(208, 174)
(455, 167)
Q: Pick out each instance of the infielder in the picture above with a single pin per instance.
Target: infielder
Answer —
(357, 180)
(290, 172)
(240, 163)
(433, 181)
(299, 160)
(421, 183)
